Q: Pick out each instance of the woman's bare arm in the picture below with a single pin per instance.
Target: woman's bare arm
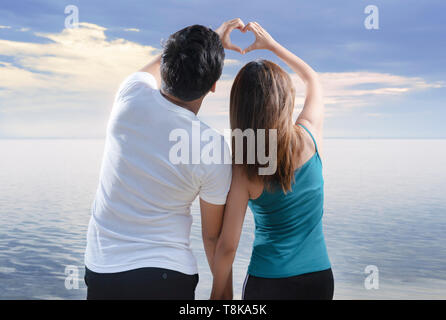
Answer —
(312, 114)
(227, 243)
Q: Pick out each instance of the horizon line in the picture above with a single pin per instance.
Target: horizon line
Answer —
(329, 138)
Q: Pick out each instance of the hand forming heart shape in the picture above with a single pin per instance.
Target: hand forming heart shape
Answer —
(263, 38)
(225, 30)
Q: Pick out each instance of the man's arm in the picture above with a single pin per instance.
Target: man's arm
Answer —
(154, 69)
(224, 31)
(211, 223)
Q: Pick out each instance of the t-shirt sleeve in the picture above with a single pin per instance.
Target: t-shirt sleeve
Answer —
(135, 81)
(216, 182)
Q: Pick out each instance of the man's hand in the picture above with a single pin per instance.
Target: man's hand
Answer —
(225, 30)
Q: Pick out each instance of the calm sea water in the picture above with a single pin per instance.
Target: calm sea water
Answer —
(385, 205)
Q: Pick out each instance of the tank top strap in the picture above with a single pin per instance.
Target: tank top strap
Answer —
(314, 140)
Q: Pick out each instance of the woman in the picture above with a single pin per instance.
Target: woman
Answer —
(289, 258)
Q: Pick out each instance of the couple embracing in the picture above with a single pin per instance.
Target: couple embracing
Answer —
(138, 242)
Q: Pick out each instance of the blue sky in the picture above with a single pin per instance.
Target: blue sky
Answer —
(389, 82)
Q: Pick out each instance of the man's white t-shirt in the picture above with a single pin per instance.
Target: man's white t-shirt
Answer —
(141, 213)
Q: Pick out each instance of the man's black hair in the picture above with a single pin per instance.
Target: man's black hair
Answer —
(192, 62)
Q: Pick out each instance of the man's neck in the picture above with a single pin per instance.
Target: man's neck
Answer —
(193, 106)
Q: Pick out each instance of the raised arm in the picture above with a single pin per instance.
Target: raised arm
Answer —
(312, 114)
(223, 31)
(153, 67)
(227, 244)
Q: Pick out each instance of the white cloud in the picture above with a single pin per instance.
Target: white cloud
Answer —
(375, 115)
(349, 89)
(232, 62)
(5, 27)
(342, 90)
(65, 85)
(75, 71)
(357, 89)
(132, 30)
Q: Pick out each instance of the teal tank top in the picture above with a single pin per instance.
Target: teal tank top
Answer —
(289, 240)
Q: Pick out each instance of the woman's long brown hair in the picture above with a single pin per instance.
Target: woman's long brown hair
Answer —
(262, 97)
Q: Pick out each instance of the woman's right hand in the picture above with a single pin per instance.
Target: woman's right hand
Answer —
(263, 38)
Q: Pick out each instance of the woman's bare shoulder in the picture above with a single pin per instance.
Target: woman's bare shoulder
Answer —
(241, 181)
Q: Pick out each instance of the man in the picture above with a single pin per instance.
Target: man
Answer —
(138, 235)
